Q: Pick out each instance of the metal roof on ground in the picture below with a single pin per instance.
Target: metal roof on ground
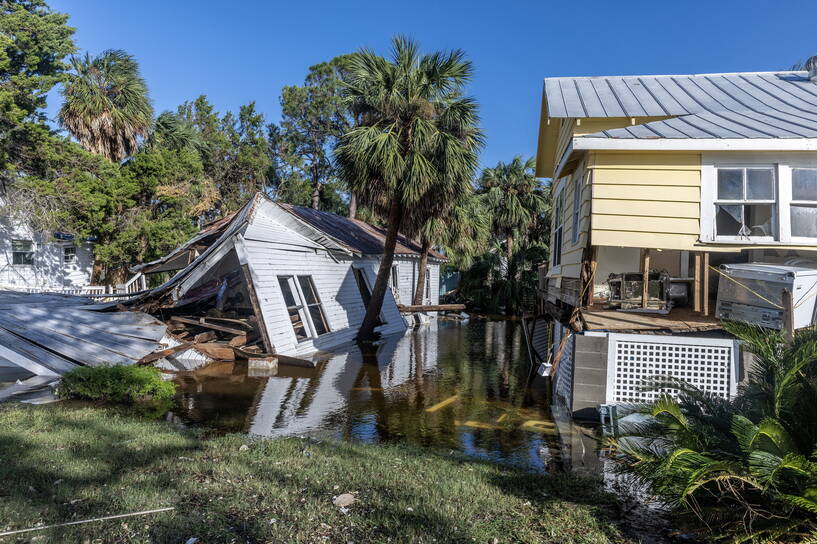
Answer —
(359, 236)
(720, 106)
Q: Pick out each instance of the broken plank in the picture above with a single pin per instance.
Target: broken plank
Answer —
(156, 355)
(202, 323)
(221, 352)
(238, 341)
(204, 337)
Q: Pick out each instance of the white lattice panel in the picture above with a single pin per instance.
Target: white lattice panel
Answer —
(706, 363)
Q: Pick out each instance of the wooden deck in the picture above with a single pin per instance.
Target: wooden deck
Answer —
(678, 320)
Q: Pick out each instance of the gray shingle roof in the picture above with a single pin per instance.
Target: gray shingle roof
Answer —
(740, 105)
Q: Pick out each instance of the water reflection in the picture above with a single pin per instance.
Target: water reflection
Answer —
(462, 386)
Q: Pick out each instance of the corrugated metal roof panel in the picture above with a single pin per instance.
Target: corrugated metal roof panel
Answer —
(739, 105)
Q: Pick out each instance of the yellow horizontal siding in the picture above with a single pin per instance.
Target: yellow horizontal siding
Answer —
(654, 208)
(644, 239)
(647, 160)
(640, 223)
(648, 193)
(652, 176)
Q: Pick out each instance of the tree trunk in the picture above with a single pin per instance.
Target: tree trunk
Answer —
(366, 332)
(419, 290)
(511, 278)
(316, 196)
(352, 204)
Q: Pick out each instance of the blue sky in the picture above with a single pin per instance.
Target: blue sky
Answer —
(242, 51)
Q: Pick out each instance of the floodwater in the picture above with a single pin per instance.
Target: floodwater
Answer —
(463, 386)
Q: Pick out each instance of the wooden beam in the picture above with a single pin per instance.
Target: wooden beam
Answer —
(696, 288)
(256, 308)
(156, 355)
(705, 280)
(431, 307)
(645, 277)
(593, 266)
(201, 323)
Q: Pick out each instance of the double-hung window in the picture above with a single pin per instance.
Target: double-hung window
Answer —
(803, 207)
(69, 255)
(22, 252)
(745, 204)
(556, 250)
(304, 306)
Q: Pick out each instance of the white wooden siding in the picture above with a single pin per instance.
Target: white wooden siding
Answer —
(407, 270)
(48, 270)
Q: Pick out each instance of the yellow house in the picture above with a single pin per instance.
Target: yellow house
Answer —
(672, 176)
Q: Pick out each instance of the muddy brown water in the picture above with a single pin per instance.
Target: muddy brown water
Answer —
(463, 386)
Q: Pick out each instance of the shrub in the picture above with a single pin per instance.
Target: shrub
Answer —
(747, 467)
(117, 384)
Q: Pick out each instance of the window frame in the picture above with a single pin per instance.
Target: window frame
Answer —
(301, 305)
(802, 203)
(16, 252)
(774, 202)
(783, 164)
(73, 259)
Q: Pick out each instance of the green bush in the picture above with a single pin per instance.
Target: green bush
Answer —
(117, 384)
(747, 466)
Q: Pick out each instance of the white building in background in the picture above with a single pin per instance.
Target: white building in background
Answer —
(43, 261)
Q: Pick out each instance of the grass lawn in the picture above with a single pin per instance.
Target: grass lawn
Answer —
(60, 463)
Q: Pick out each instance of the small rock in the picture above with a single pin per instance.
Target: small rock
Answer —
(325, 526)
(58, 482)
(336, 487)
(410, 509)
(243, 447)
(343, 500)
(192, 540)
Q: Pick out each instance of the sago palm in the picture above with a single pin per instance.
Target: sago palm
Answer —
(417, 138)
(747, 466)
(106, 105)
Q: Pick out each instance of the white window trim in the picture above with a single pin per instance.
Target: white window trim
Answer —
(783, 164)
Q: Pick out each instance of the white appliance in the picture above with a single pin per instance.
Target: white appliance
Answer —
(753, 292)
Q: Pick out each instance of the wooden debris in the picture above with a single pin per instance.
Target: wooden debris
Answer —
(218, 351)
(238, 341)
(156, 355)
(201, 323)
(204, 337)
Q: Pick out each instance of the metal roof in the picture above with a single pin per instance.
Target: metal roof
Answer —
(359, 236)
(738, 105)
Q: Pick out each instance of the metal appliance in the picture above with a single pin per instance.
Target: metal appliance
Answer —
(753, 292)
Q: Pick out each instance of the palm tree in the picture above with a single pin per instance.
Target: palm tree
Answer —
(172, 131)
(516, 199)
(417, 137)
(463, 231)
(106, 105)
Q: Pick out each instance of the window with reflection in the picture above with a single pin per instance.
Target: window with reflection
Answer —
(746, 203)
(304, 306)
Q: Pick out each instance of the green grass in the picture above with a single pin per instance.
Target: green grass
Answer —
(63, 463)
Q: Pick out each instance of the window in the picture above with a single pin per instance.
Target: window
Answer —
(22, 252)
(365, 292)
(556, 250)
(428, 284)
(745, 203)
(304, 306)
(69, 255)
(395, 282)
(803, 209)
(577, 204)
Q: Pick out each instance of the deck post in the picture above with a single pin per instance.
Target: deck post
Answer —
(645, 277)
(696, 274)
(705, 292)
(788, 316)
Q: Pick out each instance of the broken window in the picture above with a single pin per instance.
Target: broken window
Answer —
(557, 229)
(803, 209)
(745, 205)
(304, 307)
(22, 252)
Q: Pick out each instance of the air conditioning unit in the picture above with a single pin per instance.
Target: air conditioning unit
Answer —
(753, 292)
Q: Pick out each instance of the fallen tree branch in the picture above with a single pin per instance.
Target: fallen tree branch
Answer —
(44, 527)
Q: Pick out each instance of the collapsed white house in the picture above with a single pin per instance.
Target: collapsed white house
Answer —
(281, 280)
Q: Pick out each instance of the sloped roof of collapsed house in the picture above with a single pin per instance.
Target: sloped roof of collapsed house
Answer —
(358, 236)
(324, 229)
(748, 105)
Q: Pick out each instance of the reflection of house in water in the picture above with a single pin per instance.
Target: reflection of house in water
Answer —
(300, 278)
(294, 405)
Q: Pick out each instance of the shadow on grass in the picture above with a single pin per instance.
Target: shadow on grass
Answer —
(61, 465)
